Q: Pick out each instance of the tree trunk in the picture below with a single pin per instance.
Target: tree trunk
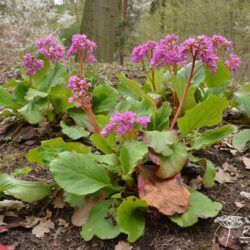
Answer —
(99, 22)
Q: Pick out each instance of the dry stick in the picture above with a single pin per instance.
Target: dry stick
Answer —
(184, 96)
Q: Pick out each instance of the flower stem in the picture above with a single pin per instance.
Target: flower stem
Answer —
(30, 81)
(153, 79)
(81, 65)
(184, 95)
(93, 120)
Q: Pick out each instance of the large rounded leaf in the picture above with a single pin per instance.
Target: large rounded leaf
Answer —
(79, 173)
(129, 219)
(200, 207)
(28, 191)
(99, 222)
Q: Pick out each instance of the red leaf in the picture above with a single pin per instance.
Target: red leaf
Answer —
(3, 229)
(2, 247)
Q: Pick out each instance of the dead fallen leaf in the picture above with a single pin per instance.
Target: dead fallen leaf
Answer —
(58, 202)
(4, 127)
(3, 229)
(81, 215)
(11, 205)
(246, 161)
(239, 204)
(30, 221)
(229, 239)
(43, 227)
(224, 177)
(25, 134)
(61, 222)
(229, 168)
(3, 247)
(123, 245)
(196, 183)
(168, 196)
(245, 194)
(2, 220)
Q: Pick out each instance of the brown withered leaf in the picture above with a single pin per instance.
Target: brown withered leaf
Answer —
(123, 245)
(229, 239)
(25, 134)
(246, 161)
(43, 227)
(229, 168)
(224, 177)
(59, 202)
(11, 205)
(62, 222)
(80, 215)
(168, 196)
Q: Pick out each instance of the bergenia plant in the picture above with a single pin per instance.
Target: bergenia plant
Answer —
(32, 66)
(138, 155)
(50, 49)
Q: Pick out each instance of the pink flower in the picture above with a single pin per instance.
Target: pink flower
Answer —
(81, 44)
(123, 123)
(233, 62)
(220, 42)
(50, 49)
(80, 89)
(143, 52)
(32, 64)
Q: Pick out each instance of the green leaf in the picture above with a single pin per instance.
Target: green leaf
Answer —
(21, 171)
(172, 164)
(160, 118)
(34, 94)
(220, 79)
(143, 108)
(99, 223)
(49, 150)
(59, 96)
(243, 101)
(130, 88)
(73, 132)
(105, 144)
(80, 117)
(179, 84)
(104, 99)
(130, 220)
(130, 153)
(240, 140)
(209, 176)
(200, 207)
(197, 79)
(206, 113)
(56, 76)
(211, 137)
(78, 173)
(110, 160)
(6, 100)
(160, 141)
(34, 111)
(28, 191)
(19, 94)
(74, 200)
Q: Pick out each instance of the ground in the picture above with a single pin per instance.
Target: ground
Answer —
(160, 232)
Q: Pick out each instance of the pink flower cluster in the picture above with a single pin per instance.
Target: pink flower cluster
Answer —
(233, 62)
(123, 123)
(32, 64)
(168, 52)
(80, 89)
(85, 47)
(50, 49)
(143, 51)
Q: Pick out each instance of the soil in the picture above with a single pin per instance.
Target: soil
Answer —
(160, 232)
